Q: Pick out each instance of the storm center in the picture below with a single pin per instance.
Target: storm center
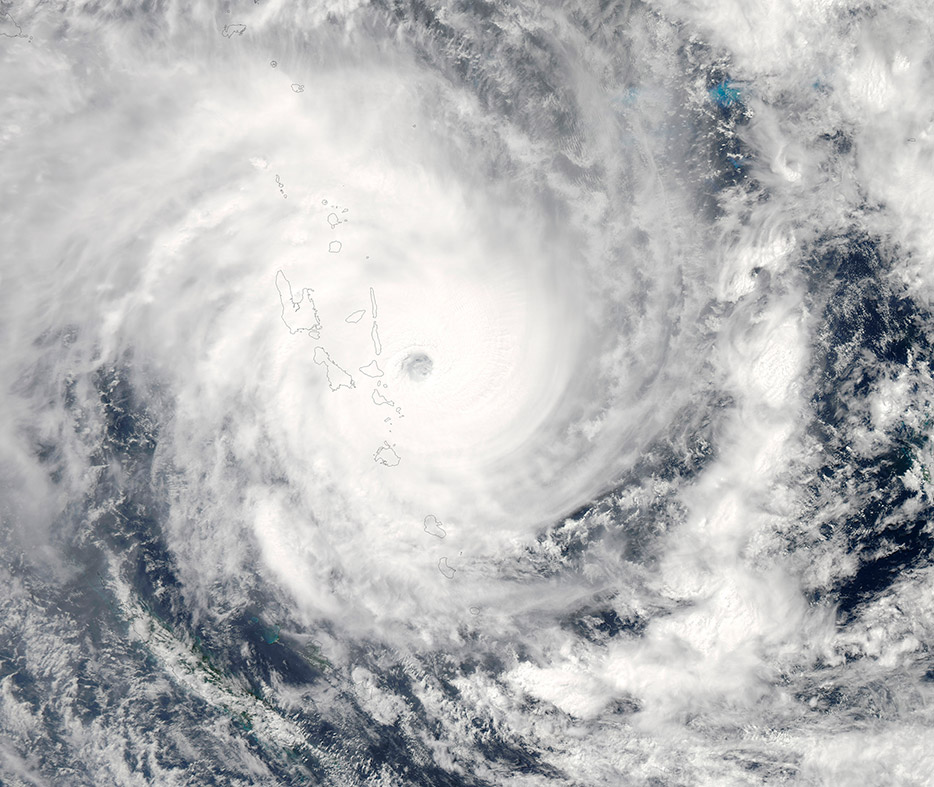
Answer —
(418, 366)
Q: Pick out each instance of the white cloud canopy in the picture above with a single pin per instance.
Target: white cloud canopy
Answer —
(465, 393)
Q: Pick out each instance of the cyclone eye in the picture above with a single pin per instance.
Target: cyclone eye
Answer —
(418, 366)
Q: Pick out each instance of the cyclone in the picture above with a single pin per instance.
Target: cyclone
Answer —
(349, 300)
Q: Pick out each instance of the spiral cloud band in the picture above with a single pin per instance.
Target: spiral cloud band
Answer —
(495, 378)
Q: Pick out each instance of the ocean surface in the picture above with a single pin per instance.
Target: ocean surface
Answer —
(466, 393)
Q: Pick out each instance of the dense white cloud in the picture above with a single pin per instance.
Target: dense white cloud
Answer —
(349, 272)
